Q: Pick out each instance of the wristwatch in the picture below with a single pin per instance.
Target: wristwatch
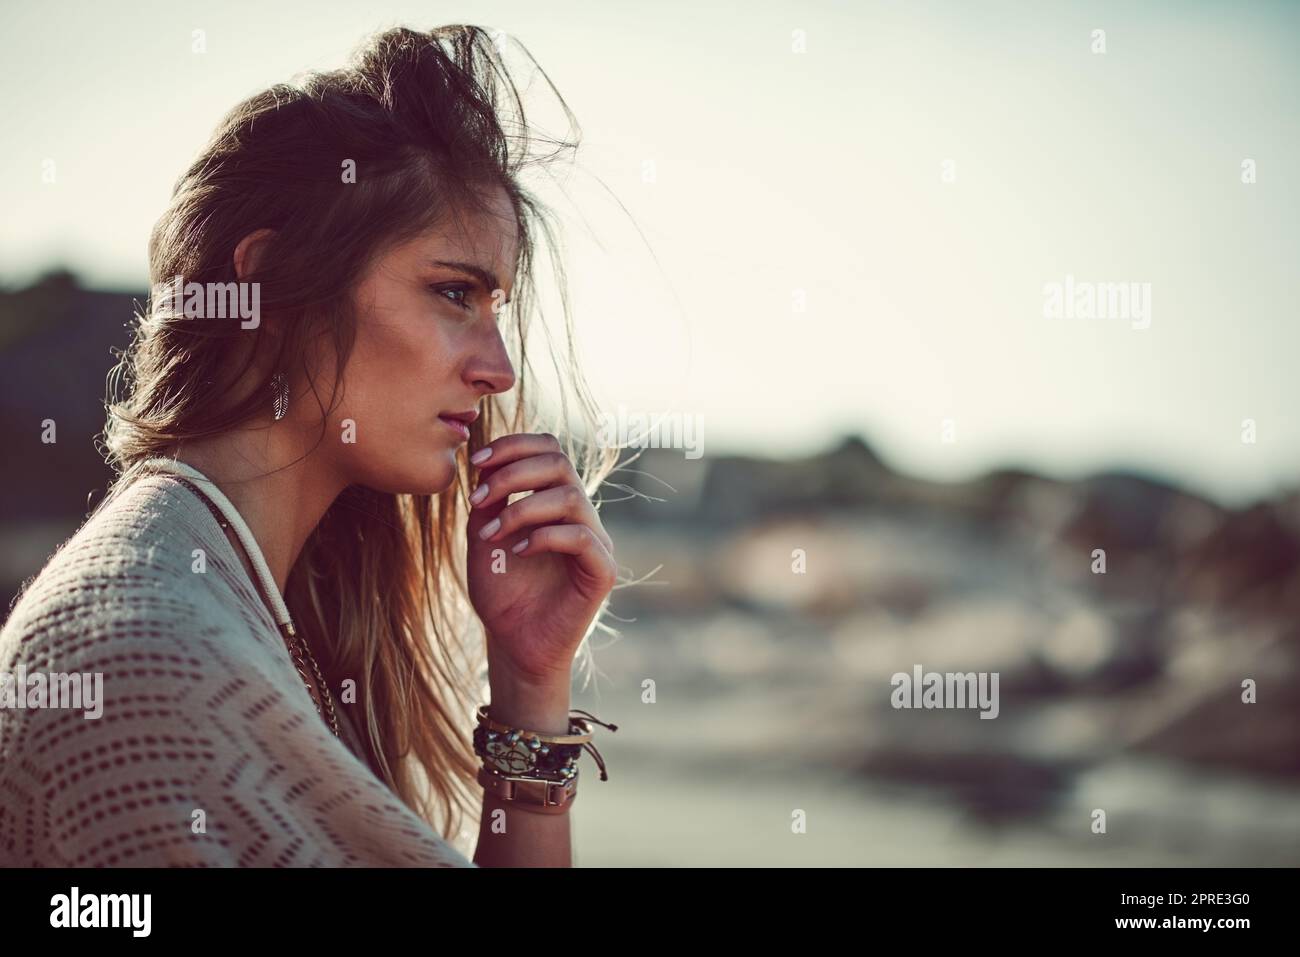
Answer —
(539, 795)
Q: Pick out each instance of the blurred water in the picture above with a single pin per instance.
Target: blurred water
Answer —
(659, 808)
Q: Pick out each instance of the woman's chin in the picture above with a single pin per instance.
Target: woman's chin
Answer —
(439, 477)
(433, 475)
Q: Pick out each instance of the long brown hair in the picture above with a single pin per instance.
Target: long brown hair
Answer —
(379, 589)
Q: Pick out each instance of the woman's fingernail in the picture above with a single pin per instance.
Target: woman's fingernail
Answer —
(488, 530)
(519, 546)
(480, 493)
(481, 456)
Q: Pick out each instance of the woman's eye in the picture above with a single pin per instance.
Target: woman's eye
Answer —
(464, 292)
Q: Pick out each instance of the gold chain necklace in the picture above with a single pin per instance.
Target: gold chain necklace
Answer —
(292, 639)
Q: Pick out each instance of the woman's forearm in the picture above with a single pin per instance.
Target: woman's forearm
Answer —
(508, 836)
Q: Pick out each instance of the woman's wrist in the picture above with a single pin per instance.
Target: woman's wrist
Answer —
(529, 704)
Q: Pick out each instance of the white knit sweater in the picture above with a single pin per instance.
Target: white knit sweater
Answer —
(209, 750)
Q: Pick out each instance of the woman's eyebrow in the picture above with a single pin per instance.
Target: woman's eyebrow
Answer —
(485, 276)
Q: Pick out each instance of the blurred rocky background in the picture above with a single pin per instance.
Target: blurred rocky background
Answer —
(747, 691)
(1119, 691)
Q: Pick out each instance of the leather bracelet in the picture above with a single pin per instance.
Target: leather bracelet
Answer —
(533, 794)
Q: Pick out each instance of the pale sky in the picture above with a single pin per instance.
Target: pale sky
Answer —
(816, 178)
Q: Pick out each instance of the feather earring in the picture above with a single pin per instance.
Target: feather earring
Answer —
(279, 395)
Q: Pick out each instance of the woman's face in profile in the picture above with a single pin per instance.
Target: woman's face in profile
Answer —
(428, 345)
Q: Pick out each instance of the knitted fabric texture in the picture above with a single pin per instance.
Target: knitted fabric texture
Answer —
(202, 711)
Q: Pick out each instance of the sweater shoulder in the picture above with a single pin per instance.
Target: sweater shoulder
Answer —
(150, 566)
(150, 714)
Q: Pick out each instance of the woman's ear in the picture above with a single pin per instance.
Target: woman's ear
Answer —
(248, 251)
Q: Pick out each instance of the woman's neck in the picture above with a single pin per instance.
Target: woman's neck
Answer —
(282, 503)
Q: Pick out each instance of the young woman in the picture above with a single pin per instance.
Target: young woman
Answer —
(315, 550)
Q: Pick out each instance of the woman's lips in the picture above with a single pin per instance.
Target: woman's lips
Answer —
(460, 428)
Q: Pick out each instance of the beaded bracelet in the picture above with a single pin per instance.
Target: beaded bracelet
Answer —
(522, 753)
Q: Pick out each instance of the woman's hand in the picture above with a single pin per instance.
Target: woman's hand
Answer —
(537, 603)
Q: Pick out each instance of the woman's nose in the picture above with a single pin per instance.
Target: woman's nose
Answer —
(491, 371)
